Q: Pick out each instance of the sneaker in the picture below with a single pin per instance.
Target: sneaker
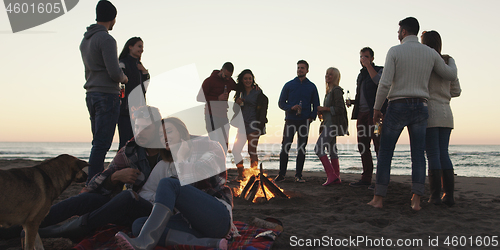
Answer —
(299, 180)
(372, 187)
(360, 183)
(279, 178)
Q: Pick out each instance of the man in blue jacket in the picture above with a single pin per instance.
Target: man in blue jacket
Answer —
(299, 99)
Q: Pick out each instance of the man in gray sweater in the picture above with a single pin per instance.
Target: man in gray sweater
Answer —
(103, 75)
(404, 82)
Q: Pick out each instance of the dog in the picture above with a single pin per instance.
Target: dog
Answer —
(26, 194)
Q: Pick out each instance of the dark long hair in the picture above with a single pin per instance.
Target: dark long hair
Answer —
(433, 40)
(126, 50)
(239, 82)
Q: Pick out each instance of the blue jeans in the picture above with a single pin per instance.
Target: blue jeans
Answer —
(412, 114)
(122, 209)
(437, 141)
(301, 127)
(201, 214)
(104, 110)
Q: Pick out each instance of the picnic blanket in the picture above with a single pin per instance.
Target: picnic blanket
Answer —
(104, 239)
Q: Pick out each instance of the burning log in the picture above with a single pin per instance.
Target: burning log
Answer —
(253, 191)
(247, 187)
(261, 176)
(272, 188)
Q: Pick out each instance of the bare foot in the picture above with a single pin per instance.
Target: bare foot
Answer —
(415, 202)
(376, 202)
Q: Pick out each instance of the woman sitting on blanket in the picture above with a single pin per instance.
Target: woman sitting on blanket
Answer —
(195, 188)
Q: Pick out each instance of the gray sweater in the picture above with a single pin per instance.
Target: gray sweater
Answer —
(407, 70)
(99, 54)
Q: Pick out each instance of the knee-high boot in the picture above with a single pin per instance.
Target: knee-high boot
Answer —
(435, 186)
(336, 168)
(448, 187)
(331, 177)
(151, 231)
(175, 237)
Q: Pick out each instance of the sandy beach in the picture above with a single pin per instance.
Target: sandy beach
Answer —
(337, 215)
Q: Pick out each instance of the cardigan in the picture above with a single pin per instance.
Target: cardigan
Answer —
(441, 91)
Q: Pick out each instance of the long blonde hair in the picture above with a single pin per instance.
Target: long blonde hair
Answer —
(336, 78)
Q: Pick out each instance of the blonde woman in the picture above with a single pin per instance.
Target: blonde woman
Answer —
(334, 124)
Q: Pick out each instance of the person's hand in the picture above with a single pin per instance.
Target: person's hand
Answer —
(223, 97)
(348, 103)
(322, 109)
(365, 61)
(320, 116)
(296, 107)
(126, 175)
(377, 116)
(141, 68)
(183, 152)
(126, 80)
(239, 101)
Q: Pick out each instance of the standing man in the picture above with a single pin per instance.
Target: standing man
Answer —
(299, 99)
(103, 75)
(404, 82)
(215, 93)
(366, 89)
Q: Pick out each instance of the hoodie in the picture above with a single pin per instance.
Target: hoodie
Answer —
(99, 54)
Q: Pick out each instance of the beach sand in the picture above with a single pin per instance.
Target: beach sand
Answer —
(339, 212)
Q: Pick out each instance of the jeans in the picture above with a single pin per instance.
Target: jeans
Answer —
(122, 209)
(326, 142)
(366, 134)
(201, 214)
(412, 114)
(124, 130)
(301, 127)
(436, 146)
(104, 110)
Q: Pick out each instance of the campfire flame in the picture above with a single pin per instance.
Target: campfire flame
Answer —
(263, 192)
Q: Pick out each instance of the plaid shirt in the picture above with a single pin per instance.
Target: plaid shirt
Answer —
(129, 156)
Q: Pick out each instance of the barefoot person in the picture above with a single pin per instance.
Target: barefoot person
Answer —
(253, 105)
(334, 124)
(439, 126)
(204, 207)
(404, 82)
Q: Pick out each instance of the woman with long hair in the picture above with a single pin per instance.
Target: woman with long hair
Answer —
(253, 105)
(439, 126)
(130, 63)
(334, 115)
(194, 157)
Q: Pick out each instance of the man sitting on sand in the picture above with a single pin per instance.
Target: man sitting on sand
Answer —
(104, 201)
(404, 82)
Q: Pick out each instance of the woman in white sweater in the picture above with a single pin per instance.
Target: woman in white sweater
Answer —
(439, 126)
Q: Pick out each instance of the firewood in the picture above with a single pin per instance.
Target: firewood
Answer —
(272, 188)
(253, 191)
(247, 186)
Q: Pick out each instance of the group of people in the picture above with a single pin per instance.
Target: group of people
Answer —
(143, 187)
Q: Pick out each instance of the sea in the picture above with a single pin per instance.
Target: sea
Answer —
(468, 160)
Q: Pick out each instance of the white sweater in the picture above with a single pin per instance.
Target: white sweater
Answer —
(407, 70)
(441, 92)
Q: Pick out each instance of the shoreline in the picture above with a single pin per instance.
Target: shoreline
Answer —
(340, 212)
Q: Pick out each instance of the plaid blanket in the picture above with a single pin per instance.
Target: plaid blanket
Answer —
(104, 239)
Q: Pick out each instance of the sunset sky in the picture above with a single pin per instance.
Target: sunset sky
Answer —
(42, 96)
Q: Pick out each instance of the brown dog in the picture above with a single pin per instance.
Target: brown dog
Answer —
(26, 194)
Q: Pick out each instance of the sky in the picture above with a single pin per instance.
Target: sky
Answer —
(43, 99)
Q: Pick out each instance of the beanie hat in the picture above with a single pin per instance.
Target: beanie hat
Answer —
(105, 11)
